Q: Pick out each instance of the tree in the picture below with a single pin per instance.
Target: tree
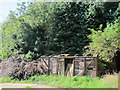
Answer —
(39, 28)
(31, 23)
(9, 32)
(71, 23)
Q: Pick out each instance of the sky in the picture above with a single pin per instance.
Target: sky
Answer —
(6, 6)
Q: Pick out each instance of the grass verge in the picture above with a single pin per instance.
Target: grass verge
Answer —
(108, 81)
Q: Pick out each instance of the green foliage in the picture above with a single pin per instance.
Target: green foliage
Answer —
(25, 31)
(42, 28)
(68, 34)
(9, 32)
(34, 32)
(71, 23)
(105, 43)
(109, 81)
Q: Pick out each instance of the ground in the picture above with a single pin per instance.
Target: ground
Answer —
(17, 85)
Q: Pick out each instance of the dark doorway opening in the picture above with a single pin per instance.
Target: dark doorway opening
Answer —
(68, 64)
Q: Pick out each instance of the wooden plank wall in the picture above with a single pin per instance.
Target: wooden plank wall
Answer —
(53, 65)
(86, 66)
(81, 65)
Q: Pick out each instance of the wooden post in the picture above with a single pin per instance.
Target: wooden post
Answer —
(84, 66)
(56, 66)
(73, 67)
(95, 69)
(64, 66)
(48, 65)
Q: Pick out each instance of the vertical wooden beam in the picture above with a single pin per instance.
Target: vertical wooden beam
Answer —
(84, 66)
(73, 67)
(56, 66)
(64, 66)
(48, 65)
(95, 69)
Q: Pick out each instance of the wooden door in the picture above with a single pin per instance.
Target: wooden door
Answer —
(85, 66)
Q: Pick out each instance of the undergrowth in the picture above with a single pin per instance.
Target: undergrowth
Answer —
(108, 81)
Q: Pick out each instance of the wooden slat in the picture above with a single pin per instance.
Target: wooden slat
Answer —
(73, 68)
(69, 56)
(77, 60)
(49, 66)
(84, 66)
(45, 62)
(89, 64)
(57, 66)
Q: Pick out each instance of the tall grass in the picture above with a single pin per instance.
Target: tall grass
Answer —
(108, 81)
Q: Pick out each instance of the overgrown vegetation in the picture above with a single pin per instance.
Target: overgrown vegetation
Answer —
(106, 44)
(109, 81)
(44, 28)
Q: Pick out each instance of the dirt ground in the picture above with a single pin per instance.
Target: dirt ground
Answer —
(17, 85)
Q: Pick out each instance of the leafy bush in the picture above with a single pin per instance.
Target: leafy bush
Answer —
(105, 43)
